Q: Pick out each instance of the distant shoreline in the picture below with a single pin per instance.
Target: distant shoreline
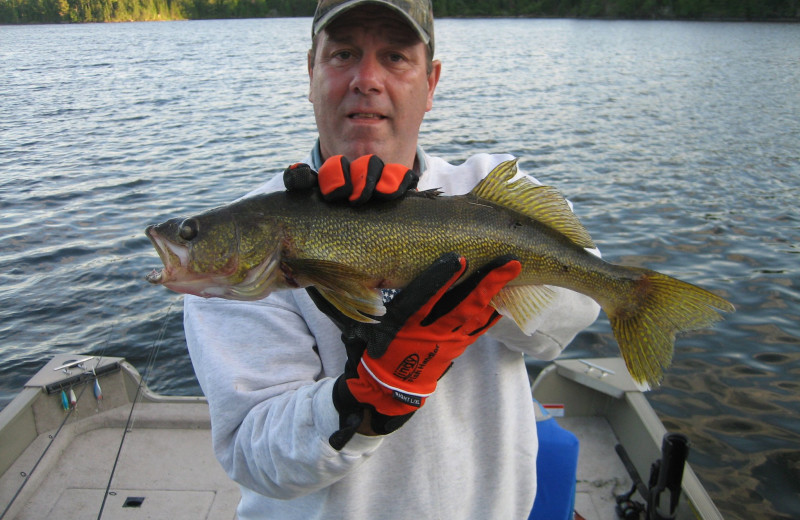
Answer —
(496, 17)
(22, 12)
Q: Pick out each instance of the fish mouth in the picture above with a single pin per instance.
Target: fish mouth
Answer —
(175, 257)
(177, 274)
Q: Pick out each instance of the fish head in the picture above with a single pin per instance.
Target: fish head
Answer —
(216, 254)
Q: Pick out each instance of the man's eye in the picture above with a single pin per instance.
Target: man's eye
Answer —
(343, 55)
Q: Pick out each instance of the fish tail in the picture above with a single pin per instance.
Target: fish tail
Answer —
(646, 320)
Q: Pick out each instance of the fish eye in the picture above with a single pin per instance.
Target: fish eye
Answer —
(188, 229)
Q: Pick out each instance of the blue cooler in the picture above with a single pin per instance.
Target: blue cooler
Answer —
(556, 469)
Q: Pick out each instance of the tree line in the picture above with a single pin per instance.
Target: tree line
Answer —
(625, 9)
(76, 11)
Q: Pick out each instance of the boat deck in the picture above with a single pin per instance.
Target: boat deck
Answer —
(170, 472)
(166, 467)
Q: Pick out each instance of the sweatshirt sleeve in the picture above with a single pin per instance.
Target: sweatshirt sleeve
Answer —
(271, 408)
(567, 314)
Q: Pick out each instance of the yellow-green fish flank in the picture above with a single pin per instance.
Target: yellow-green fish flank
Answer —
(286, 240)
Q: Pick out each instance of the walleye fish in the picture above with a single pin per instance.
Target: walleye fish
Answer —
(291, 239)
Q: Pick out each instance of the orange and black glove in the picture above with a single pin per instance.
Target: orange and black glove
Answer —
(393, 365)
(357, 182)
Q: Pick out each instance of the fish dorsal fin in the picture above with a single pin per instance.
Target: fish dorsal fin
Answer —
(344, 287)
(541, 203)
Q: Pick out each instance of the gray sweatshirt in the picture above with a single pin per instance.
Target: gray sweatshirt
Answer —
(268, 367)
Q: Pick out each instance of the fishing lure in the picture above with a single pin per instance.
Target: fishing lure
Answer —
(98, 392)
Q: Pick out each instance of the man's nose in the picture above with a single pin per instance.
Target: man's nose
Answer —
(368, 78)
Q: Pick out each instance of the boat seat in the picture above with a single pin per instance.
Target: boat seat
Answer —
(556, 469)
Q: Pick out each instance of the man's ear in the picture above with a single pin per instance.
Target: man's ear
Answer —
(433, 80)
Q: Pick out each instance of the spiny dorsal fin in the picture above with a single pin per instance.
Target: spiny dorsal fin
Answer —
(541, 203)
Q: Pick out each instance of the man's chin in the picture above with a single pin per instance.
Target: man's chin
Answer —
(387, 154)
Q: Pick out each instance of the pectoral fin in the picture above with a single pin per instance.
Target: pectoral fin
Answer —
(345, 288)
(523, 303)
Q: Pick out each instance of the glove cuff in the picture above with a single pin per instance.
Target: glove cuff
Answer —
(384, 398)
(351, 414)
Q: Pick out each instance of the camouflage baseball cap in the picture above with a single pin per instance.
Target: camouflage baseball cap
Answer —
(418, 13)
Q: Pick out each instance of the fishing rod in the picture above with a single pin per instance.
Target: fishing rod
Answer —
(53, 437)
(69, 403)
(154, 351)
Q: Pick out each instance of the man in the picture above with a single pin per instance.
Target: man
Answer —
(314, 427)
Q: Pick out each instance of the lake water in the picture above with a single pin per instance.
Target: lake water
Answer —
(679, 144)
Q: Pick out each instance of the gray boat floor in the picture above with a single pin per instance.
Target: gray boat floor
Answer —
(166, 469)
(601, 474)
(166, 459)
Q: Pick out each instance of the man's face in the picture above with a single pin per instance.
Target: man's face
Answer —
(370, 86)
